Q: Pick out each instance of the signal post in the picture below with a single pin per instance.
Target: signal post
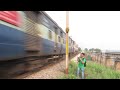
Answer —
(67, 39)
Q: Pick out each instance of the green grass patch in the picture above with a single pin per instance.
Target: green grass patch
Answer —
(71, 70)
(93, 71)
(97, 71)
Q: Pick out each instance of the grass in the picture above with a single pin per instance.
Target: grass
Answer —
(97, 71)
(93, 71)
(72, 71)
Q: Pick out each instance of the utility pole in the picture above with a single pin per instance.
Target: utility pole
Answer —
(67, 44)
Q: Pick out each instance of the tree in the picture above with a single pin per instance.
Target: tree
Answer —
(91, 49)
(95, 50)
(86, 50)
(98, 50)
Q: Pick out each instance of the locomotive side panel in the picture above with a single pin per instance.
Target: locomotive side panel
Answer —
(47, 35)
(11, 36)
(32, 39)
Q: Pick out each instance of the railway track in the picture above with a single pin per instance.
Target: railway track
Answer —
(21, 68)
(38, 69)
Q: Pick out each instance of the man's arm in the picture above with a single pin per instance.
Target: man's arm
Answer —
(78, 59)
(83, 61)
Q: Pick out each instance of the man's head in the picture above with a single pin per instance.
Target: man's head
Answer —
(82, 55)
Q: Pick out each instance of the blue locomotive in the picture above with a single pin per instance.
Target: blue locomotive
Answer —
(31, 33)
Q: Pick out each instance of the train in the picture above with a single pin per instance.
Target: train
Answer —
(31, 33)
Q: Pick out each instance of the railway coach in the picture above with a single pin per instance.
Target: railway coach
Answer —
(30, 33)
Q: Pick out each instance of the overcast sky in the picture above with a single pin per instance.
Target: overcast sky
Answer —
(91, 29)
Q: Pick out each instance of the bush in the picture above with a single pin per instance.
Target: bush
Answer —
(89, 57)
(72, 68)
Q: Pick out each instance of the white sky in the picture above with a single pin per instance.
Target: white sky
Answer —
(91, 29)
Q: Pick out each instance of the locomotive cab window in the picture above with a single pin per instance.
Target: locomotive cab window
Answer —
(63, 41)
(59, 39)
(50, 34)
(56, 30)
(61, 34)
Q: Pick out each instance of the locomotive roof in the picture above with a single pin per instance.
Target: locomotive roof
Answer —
(43, 12)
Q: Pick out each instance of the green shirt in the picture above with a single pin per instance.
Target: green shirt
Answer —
(80, 64)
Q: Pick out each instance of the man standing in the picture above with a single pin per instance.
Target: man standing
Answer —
(81, 65)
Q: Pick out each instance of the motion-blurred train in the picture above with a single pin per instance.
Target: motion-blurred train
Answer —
(31, 33)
